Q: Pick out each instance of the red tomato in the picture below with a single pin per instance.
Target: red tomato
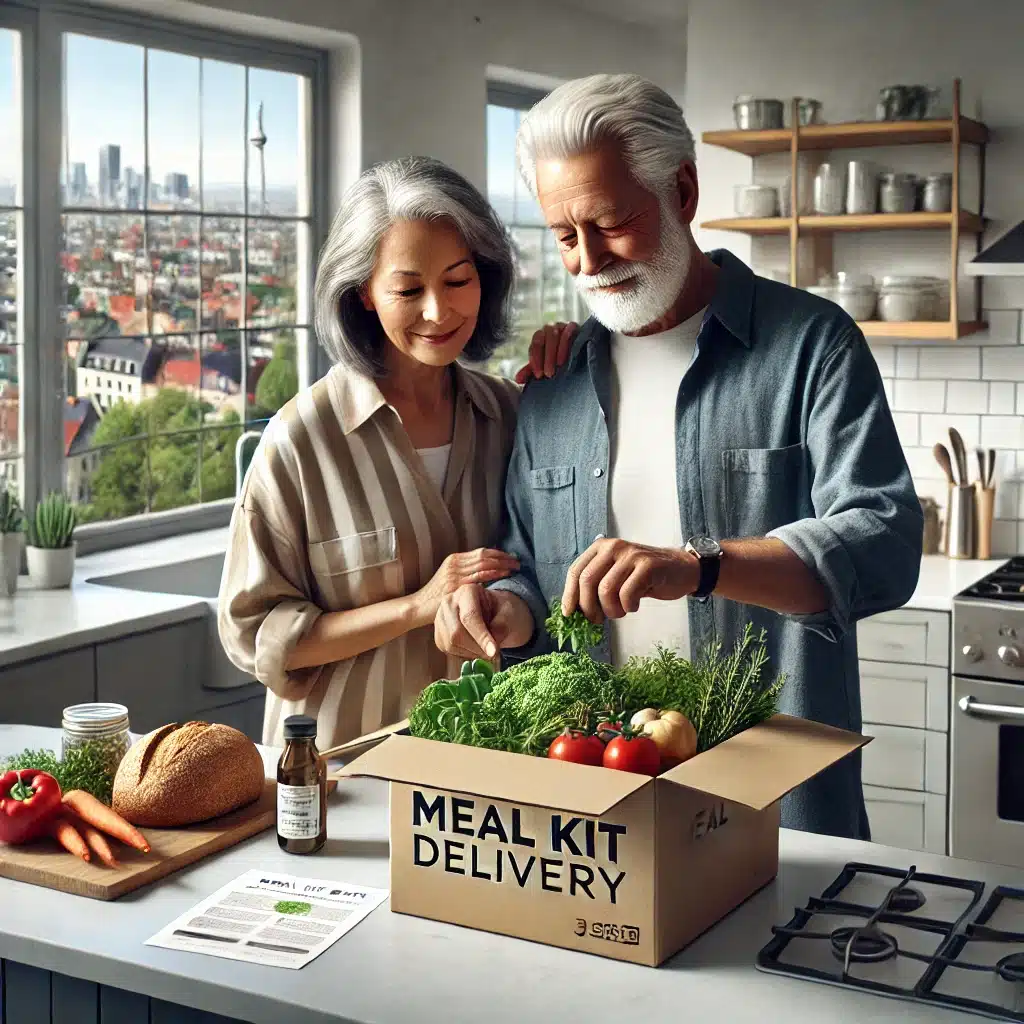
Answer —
(578, 748)
(639, 754)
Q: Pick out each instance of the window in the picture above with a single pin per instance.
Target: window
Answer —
(544, 290)
(186, 262)
(159, 213)
(11, 259)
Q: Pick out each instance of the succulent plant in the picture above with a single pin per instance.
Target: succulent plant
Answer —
(11, 519)
(52, 525)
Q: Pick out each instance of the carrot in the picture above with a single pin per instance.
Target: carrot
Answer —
(97, 843)
(97, 814)
(68, 836)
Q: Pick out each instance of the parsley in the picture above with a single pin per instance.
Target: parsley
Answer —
(83, 767)
(576, 629)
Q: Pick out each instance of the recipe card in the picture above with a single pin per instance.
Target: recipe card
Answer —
(268, 918)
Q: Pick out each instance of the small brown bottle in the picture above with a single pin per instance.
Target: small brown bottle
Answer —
(301, 789)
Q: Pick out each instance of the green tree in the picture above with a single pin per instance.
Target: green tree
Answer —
(278, 382)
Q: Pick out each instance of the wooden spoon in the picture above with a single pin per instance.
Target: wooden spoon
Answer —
(941, 453)
(960, 454)
(990, 466)
(979, 454)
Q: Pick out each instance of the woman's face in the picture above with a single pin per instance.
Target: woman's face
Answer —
(426, 291)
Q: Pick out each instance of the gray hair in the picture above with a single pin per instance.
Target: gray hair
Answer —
(410, 188)
(626, 110)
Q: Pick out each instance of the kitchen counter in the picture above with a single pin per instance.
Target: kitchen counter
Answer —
(393, 968)
(38, 623)
(943, 578)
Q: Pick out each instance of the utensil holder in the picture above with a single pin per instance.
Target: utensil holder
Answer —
(984, 502)
(961, 519)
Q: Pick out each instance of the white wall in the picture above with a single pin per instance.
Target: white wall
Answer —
(841, 53)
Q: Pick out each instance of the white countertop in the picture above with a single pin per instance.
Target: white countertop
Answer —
(943, 578)
(393, 969)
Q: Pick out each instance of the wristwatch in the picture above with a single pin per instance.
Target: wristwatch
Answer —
(708, 553)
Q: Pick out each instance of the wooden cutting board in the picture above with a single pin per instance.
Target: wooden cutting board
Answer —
(45, 863)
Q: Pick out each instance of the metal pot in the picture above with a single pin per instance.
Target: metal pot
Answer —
(755, 115)
(905, 102)
(808, 111)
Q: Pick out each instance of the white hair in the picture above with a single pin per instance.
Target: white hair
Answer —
(625, 110)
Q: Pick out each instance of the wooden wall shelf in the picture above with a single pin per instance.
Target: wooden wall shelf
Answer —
(847, 135)
(811, 237)
(970, 223)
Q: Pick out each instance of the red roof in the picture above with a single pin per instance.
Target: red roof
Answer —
(182, 373)
(122, 305)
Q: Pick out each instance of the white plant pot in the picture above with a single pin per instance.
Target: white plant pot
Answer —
(10, 562)
(51, 568)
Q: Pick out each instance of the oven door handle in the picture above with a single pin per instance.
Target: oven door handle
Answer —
(970, 706)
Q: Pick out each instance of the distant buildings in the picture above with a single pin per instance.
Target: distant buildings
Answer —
(79, 183)
(114, 369)
(133, 189)
(81, 418)
(176, 187)
(110, 174)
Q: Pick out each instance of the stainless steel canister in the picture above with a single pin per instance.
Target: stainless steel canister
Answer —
(861, 187)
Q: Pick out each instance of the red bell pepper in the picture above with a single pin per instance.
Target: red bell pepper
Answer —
(29, 801)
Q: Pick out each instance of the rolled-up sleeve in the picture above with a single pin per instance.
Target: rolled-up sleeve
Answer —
(516, 537)
(263, 610)
(864, 542)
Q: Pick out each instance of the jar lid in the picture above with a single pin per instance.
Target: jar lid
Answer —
(939, 176)
(911, 282)
(299, 727)
(95, 717)
(897, 177)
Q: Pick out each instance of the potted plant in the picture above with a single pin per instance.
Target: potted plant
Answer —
(51, 546)
(11, 522)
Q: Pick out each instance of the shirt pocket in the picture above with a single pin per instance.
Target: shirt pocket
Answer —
(354, 552)
(554, 514)
(764, 488)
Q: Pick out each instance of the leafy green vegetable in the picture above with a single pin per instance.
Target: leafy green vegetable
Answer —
(83, 767)
(576, 629)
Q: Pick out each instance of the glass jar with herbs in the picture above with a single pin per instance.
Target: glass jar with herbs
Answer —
(101, 728)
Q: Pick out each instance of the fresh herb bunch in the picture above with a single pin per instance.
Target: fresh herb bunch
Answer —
(11, 519)
(52, 525)
(576, 629)
(83, 767)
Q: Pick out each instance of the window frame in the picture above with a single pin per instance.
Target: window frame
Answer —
(44, 24)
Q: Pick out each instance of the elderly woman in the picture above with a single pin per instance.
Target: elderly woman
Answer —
(374, 493)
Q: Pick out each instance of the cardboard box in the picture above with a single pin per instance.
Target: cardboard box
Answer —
(602, 861)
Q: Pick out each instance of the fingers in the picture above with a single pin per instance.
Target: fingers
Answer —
(450, 634)
(590, 580)
(565, 343)
(537, 354)
(473, 631)
(571, 590)
(552, 334)
(525, 374)
(637, 586)
(609, 588)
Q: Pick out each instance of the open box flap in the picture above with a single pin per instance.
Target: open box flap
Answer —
(497, 775)
(763, 763)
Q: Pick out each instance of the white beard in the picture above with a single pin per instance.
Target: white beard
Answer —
(655, 284)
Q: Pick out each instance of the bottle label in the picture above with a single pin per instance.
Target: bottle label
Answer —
(298, 812)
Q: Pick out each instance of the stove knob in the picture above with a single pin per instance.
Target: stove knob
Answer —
(972, 652)
(1011, 656)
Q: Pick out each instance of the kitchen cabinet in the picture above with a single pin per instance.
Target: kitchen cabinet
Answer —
(906, 819)
(906, 637)
(37, 692)
(245, 715)
(905, 758)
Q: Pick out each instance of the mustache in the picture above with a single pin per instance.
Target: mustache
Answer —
(615, 274)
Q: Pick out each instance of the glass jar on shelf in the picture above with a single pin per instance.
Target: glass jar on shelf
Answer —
(103, 727)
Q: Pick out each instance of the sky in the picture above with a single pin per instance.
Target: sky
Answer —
(105, 98)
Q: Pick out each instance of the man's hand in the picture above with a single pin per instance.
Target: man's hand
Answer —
(549, 350)
(612, 576)
(474, 623)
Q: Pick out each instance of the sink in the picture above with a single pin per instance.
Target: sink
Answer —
(198, 578)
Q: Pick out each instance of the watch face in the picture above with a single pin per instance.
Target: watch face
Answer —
(705, 547)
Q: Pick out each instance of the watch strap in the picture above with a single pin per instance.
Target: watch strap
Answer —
(708, 580)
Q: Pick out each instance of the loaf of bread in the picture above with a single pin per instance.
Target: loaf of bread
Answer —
(181, 774)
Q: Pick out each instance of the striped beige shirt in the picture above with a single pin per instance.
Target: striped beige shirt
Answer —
(337, 511)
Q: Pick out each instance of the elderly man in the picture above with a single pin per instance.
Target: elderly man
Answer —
(718, 448)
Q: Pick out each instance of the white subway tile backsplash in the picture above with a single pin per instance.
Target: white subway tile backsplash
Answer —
(936, 428)
(966, 396)
(919, 395)
(1020, 399)
(908, 427)
(1003, 327)
(1002, 398)
(1004, 537)
(944, 362)
(922, 464)
(1002, 431)
(1003, 363)
(885, 357)
(906, 361)
(887, 385)
(1008, 500)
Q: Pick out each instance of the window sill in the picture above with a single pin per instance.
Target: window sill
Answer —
(95, 537)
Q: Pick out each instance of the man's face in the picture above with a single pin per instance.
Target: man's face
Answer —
(625, 247)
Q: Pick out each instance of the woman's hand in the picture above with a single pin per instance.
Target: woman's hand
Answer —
(549, 350)
(480, 566)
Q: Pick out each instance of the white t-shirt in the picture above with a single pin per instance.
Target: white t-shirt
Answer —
(643, 497)
(435, 461)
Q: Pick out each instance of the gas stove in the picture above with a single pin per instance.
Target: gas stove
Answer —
(1005, 584)
(909, 935)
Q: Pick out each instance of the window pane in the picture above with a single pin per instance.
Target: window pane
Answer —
(10, 118)
(8, 278)
(104, 139)
(173, 136)
(272, 373)
(173, 243)
(221, 272)
(276, 143)
(224, 136)
(273, 254)
(10, 415)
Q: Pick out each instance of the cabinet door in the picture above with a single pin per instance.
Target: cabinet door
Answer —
(244, 715)
(155, 674)
(916, 696)
(906, 636)
(906, 820)
(911, 759)
(37, 692)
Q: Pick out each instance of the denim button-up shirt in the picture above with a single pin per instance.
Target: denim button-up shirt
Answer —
(782, 430)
